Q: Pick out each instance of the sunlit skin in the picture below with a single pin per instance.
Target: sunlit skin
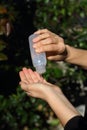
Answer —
(49, 42)
(57, 50)
(29, 77)
(36, 86)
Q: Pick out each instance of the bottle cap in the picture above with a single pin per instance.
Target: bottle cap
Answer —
(41, 69)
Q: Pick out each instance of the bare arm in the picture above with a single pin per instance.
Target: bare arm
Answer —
(76, 56)
(62, 107)
(37, 87)
(57, 50)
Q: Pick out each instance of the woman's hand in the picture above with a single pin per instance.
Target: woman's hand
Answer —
(34, 85)
(28, 76)
(50, 43)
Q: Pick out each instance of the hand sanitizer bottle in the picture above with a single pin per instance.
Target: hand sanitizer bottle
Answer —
(38, 59)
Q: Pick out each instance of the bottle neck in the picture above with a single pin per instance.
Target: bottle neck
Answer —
(41, 69)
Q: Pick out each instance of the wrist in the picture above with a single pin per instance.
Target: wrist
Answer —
(49, 94)
(66, 53)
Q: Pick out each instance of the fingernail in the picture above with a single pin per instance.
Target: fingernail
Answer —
(37, 50)
(34, 40)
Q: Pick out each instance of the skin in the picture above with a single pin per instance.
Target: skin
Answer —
(57, 50)
(34, 85)
(28, 77)
(49, 42)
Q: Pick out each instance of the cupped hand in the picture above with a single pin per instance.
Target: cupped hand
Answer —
(28, 76)
(35, 85)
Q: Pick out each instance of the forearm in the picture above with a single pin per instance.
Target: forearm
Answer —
(62, 107)
(76, 56)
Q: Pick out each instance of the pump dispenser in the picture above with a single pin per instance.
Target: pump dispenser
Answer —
(38, 59)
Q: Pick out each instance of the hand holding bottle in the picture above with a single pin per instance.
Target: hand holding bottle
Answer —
(51, 43)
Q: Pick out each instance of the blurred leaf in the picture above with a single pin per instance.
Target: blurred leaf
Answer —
(2, 45)
(53, 122)
(3, 57)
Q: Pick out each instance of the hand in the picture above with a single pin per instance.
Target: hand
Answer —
(28, 76)
(50, 43)
(34, 85)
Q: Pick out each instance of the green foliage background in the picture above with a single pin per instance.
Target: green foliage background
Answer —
(67, 18)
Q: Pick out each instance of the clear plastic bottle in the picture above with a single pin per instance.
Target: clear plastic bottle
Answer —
(38, 59)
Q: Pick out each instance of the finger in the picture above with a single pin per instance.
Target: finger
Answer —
(41, 37)
(40, 31)
(35, 76)
(46, 41)
(27, 75)
(40, 78)
(24, 86)
(56, 58)
(47, 48)
(29, 94)
(22, 77)
(51, 47)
